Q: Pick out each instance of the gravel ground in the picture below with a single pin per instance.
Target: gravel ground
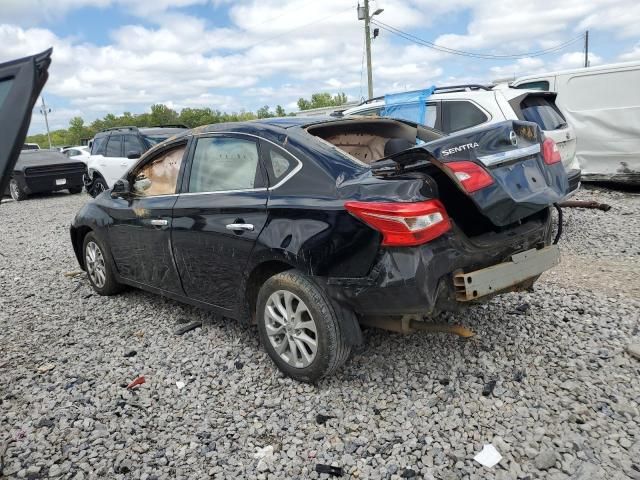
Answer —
(564, 404)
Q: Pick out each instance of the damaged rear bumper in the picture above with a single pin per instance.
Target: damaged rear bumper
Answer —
(420, 280)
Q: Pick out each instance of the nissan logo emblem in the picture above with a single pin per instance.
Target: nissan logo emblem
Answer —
(514, 138)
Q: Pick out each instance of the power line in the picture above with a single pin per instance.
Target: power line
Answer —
(486, 56)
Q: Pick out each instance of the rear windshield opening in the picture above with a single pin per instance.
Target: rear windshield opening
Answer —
(369, 140)
(542, 111)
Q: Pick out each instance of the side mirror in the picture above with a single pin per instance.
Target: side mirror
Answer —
(141, 184)
(120, 188)
(134, 154)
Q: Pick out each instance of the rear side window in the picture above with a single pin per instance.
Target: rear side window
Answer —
(114, 146)
(372, 112)
(225, 163)
(278, 163)
(459, 115)
(132, 144)
(98, 146)
(538, 85)
(543, 112)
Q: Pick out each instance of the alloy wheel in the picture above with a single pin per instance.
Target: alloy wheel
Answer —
(14, 189)
(94, 261)
(98, 188)
(291, 328)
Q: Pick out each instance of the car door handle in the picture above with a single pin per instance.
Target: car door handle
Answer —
(240, 226)
(159, 222)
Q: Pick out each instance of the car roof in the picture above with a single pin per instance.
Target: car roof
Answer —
(596, 68)
(162, 130)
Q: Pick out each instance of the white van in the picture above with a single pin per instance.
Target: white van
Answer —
(603, 105)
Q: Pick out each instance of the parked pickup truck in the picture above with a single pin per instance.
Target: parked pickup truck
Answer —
(39, 171)
(309, 227)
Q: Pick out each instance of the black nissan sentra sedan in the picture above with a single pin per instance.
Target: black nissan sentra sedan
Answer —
(309, 227)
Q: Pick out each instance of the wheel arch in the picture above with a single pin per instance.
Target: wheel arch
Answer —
(256, 278)
(77, 239)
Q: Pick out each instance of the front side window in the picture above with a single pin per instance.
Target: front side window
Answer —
(5, 86)
(114, 146)
(459, 115)
(225, 163)
(160, 175)
(98, 146)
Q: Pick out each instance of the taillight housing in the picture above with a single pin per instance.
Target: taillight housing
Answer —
(550, 152)
(403, 224)
(471, 176)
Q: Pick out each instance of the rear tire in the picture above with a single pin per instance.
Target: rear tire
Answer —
(299, 327)
(75, 190)
(97, 263)
(17, 193)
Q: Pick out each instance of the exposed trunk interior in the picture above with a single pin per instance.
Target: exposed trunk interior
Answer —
(369, 140)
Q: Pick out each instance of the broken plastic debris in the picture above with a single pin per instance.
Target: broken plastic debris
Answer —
(138, 381)
(488, 456)
(263, 452)
(322, 419)
(180, 385)
(46, 367)
(188, 328)
(330, 469)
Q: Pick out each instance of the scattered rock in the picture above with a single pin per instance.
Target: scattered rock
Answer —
(545, 460)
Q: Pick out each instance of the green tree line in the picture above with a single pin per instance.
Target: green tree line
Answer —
(160, 114)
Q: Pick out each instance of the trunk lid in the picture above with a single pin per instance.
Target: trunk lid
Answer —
(510, 151)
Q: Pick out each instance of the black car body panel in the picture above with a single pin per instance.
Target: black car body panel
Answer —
(47, 171)
(300, 222)
(523, 184)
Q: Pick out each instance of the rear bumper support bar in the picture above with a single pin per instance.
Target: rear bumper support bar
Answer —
(490, 280)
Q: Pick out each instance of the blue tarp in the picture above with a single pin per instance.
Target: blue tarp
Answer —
(409, 106)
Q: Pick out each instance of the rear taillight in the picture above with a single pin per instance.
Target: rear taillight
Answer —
(403, 224)
(471, 176)
(550, 152)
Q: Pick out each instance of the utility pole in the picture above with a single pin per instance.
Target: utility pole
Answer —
(46, 120)
(586, 48)
(363, 14)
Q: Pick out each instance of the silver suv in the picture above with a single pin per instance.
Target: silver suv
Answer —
(461, 107)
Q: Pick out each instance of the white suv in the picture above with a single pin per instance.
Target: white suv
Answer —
(457, 108)
(115, 150)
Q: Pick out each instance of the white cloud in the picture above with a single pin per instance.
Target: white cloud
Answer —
(633, 54)
(575, 60)
(275, 51)
(523, 66)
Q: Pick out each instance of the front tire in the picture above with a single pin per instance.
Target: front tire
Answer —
(299, 327)
(17, 193)
(98, 266)
(98, 186)
(75, 190)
